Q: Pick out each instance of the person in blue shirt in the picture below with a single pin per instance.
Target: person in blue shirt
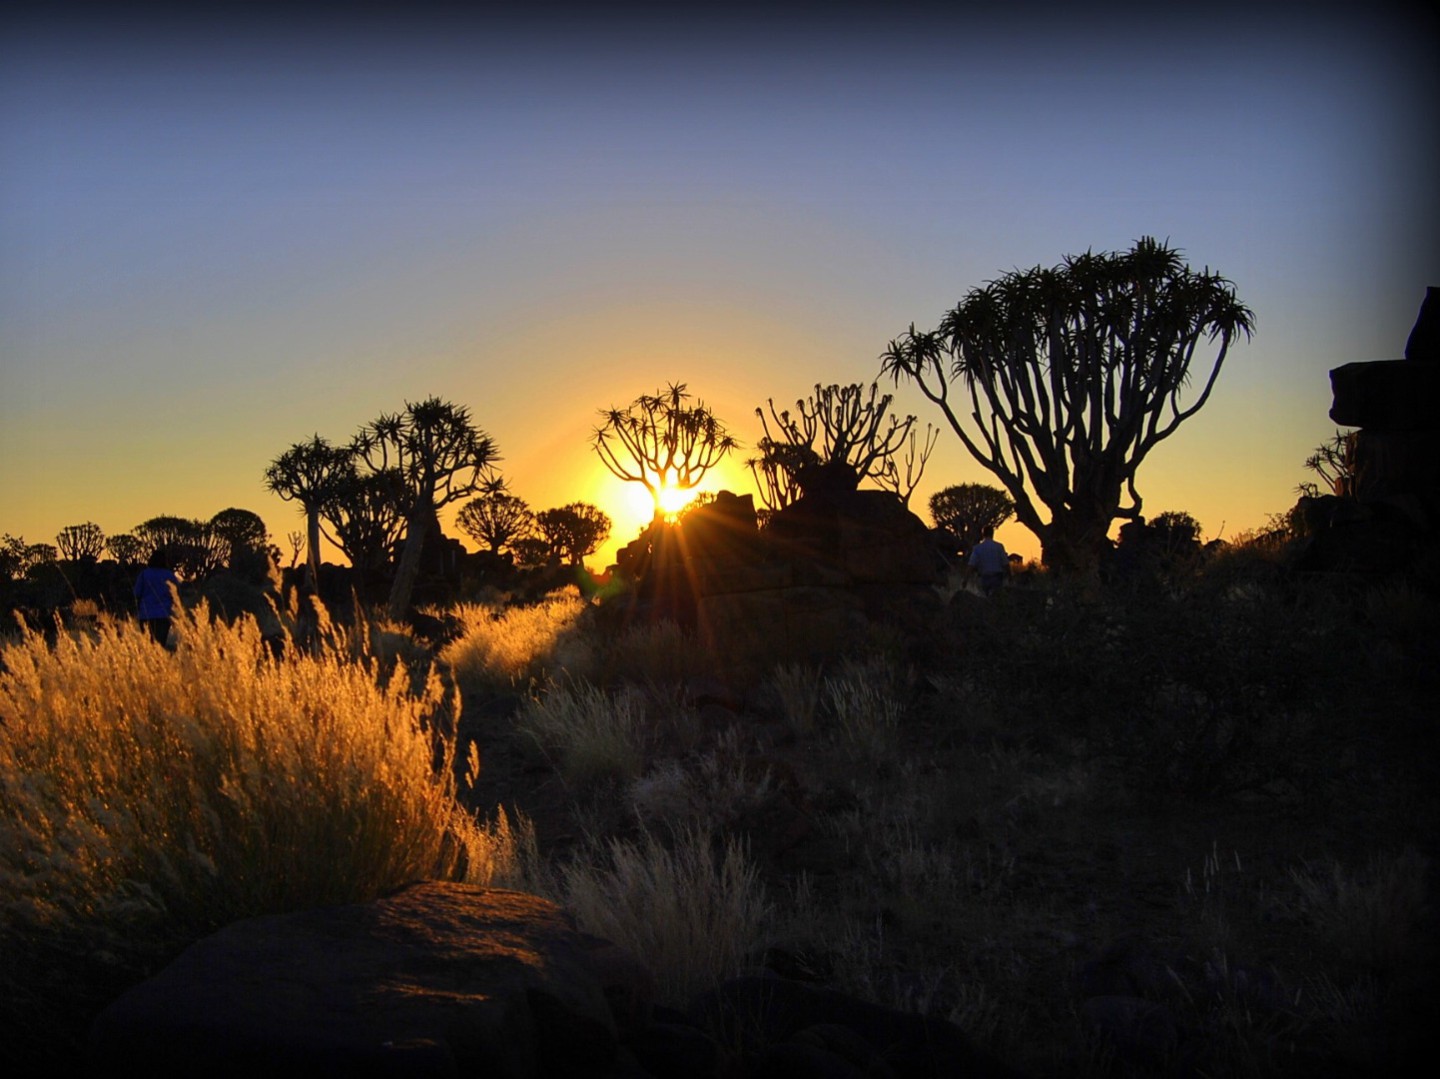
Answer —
(989, 559)
(153, 598)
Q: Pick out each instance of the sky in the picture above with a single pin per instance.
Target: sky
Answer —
(225, 230)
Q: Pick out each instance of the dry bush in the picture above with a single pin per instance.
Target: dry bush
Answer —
(713, 790)
(863, 702)
(798, 685)
(147, 793)
(1373, 921)
(694, 914)
(588, 734)
(502, 646)
(652, 653)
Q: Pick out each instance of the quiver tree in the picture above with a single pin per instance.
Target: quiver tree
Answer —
(1060, 381)
(80, 541)
(969, 510)
(311, 474)
(496, 520)
(1335, 463)
(19, 559)
(244, 540)
(125, 548)
(434, 455)
(574, 530)
(195, 550)
(664, 443)
(364, 517)
(842, 435)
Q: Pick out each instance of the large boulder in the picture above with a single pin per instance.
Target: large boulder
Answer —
(434, 980)
(868, 536)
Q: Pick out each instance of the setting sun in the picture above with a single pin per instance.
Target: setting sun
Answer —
(673, 498)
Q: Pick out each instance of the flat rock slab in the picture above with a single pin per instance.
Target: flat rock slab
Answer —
(434, 980)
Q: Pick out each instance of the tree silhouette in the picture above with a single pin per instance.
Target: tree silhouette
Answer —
(311, 474)
(13, 558)
(1073, 374)
(436, 455)
(496, 520)
(244, 539)
(80, 541)
(125, 548)
(662, 442)
(840, 434)
(574, 530)
(196, 550)
(365, 517)
(1335, 463)
(968, 510)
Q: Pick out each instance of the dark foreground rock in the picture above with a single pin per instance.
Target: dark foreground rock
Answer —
(435, 980)
(448, 980)
(798, 1031)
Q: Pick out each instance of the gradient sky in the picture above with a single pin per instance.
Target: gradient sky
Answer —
(219, 236)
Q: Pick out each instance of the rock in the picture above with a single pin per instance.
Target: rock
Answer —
(758, 1014)
(1386, 395)
(676, 1049)
(783, 623)
(1142, 1031)
(436, 979)
(868, 536)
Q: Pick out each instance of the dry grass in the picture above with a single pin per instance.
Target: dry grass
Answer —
(590, 735)
(697, 914)
(865, 708)
(195, 787)
(502, 646)
(1373, 921)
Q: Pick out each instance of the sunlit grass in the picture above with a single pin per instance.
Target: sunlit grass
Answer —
(502, 645)
(588, 734)
(184, 789)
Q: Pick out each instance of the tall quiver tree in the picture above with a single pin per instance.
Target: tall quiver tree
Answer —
(1067, 377)
(436, 456)
(662, 441)
(310, 473)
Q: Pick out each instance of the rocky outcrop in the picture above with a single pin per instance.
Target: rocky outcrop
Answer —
(436, 980)
(1391, 513)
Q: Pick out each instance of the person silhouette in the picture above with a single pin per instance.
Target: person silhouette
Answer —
(154, 600)
(989, 559)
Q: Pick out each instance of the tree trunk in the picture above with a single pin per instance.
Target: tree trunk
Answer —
(312, 551)
(409, 568)
(1074, 542)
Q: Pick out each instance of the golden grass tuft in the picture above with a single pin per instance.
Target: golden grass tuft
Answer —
(186, 789)
(589, 735)
(695, 914)
(508, 645)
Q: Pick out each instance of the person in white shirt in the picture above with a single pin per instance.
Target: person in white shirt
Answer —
(989, 559)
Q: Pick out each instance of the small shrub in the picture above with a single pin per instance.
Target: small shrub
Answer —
(649, 653)
(694, 915)
(862, 700)
(798, 686)
(713, 791)
(1373, 920)
(588, 734)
